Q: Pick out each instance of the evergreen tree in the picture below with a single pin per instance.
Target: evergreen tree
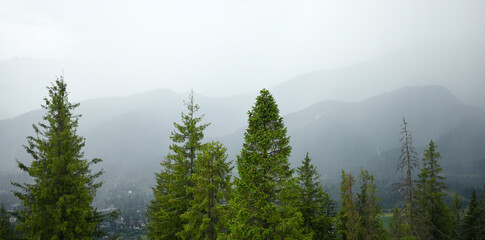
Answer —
(481, 220)
(395, 225)
(473, 228)
(265, 197)
(57, 205)
(456, 209)
(207, 216)
(316, 206)
(408, 162)
(434, 220)
(6, 229)
(348, 224)
(368, 208)
(171, 195)
(399, 229)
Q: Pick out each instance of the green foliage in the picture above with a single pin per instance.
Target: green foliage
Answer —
(368, 208)
(6, 229)
(474, 222)
(207, 216)
(399, 228)
(171, 195)
(348, 224)
(266, 193)
(57, 205)
(316, 206)
(433, 217)
(359, 216)
(457, 212)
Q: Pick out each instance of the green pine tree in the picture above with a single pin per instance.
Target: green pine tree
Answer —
(315, 204)
(348, 224)
(207, 216)
(395, 225)
(57, 205)
(6, 229)
(434, 219)
(171, 195)
(456, 209)
(473, 228)
(369, 209)
(266, 193)
(399, 229)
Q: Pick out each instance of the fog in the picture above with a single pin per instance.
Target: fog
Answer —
(218, 48)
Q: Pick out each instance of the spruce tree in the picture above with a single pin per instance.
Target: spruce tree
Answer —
(208, 213)
(57, 205)
(315, 204)
(434, 219)
(399, 229)
(369, 209)
(348, 224)
(6, 229)
(457, 212)
(473, 228)
(171, 195)
(395, 231)
(266, 193)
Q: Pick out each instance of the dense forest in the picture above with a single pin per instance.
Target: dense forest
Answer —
(201, 194)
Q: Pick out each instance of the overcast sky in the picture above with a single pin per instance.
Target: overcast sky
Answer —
(220, 48)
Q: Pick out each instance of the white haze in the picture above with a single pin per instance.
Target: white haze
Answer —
(218, 48)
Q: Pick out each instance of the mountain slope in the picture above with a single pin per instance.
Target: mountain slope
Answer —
(457, 66)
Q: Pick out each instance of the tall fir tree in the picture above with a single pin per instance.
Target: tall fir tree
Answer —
(369, 209)
(6, 229)
(58, 204)
(266, 193)
(408, 162)
(433, 217)
(171, 195)
(315, 204)
(207, 216)
(348, 224)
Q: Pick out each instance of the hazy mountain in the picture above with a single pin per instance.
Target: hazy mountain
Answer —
(457, 66)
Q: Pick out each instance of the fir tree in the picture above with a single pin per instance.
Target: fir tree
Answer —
(6, 229)
(265, 197)
(348, 224)
(434, 220)
(316, 206)
(473, 228)
(456, 209)
(207, 216)
(399, 229)
(368, 208)
(57, 205)
(171, 195)
(395, 225)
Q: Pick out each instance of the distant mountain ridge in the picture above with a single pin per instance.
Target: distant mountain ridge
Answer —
(458, 66)
(131, 134)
